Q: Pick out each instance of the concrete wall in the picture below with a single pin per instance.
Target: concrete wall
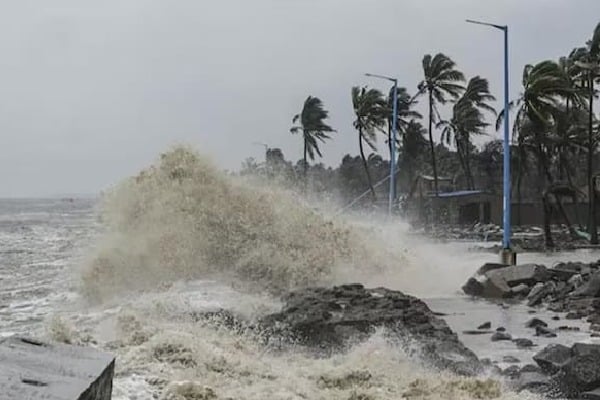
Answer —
(32, 370)
(533, 214)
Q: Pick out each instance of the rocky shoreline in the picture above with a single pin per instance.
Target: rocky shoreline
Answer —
(572, 288)
(328, 320)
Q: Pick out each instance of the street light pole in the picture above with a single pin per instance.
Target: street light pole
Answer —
(392, 194)
(507, 255)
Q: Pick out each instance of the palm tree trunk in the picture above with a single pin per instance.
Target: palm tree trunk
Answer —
(542, 184)
(365, 165)
(550, 180)
(519, 195)
(305, 165)
(431, 144)
(461, 159)
(592, 230)
(468, 165)
(547, 231)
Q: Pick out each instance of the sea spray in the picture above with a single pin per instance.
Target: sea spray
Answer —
(183, 219)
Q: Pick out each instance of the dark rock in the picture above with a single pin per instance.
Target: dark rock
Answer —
(544, 332)
(498, 336)
(531, 311)
(511, 372)
(556, 318)
(574, 315)
(531, 368)
(535, 290)
(485, 325)
(487, 267)
(495, 287)
(534, 382)
(538, 293)
(562, 273)
(575, 281)
(582, 349)
(594, 319)
(589, 289)
(568, 328)
(477, 332)
(595, 327)
(473, 287)
(510, 360)
(557, 307)
(580, 374)
(523, 343)
(520, 290)
(553, 357)
(528, 274)
(585, 304)
(535, 322)
(500, 329)
(330, 319)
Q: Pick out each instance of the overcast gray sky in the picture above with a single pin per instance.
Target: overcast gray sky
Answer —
(92, 91)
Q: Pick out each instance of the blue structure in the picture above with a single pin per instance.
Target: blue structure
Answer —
(506, 192)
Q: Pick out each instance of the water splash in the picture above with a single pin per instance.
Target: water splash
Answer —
(184, 219)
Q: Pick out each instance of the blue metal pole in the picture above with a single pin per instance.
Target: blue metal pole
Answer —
(393, 148)
(507, 196)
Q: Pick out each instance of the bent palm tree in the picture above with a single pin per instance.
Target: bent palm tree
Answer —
(370, 109)
(544, 86)
(467, 120)
(441, 79)
(589, 62)
(313, 127)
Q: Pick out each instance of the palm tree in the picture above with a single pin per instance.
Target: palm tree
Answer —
(313, 127)
(545, 85)
(467, 120)
(413, 146)
(589, 62)
(370, 109)
(441, 79)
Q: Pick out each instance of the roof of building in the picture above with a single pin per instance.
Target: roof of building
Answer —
(460, 193)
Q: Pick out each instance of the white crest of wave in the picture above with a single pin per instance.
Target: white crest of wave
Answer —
(184, 219)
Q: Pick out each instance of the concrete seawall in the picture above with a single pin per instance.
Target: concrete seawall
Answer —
(31, 370)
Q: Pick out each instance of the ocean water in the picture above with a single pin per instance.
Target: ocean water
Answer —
(128, 273)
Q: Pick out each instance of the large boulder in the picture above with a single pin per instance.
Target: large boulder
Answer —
(553, 357)
(528, 274)
(502, 281)
(332, 318)
(580, 374)
(573, 370)
(590, 289)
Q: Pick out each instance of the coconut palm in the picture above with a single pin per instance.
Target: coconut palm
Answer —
(545, 88)
(414, 145)
(588, 61)
(311, 123)
(441, 80)
(370, 110)
(467, 120)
